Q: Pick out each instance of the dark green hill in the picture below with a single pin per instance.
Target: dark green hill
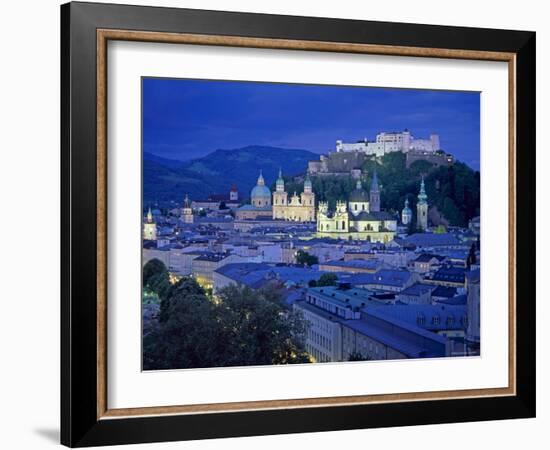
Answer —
(216, 172)
(453, 190)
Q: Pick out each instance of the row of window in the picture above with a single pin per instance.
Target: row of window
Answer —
(318, 355)
(436, 320)
(319, 339)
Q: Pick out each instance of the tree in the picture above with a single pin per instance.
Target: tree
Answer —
(160, 285)
(152, 268)
(239, 327)
(304, 257)
(264, 332)
(440, 229)
(327, 279)
(222, 205)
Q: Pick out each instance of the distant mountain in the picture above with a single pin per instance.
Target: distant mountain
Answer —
(217, 171)
(171, 163)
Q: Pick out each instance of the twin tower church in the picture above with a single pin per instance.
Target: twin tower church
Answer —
(360, 217)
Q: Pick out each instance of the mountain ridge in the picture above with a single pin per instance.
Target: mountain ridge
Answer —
(218, 171)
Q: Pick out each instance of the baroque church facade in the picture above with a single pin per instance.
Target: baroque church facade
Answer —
(297, 208)
(278, 205)
(358, 218)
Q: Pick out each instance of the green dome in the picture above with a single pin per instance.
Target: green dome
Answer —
(359, 195)
(261, 191)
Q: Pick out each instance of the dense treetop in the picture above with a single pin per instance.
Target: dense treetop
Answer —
(236, 327)
(454, 190)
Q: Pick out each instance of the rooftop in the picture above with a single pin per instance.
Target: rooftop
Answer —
(444, 291)
(427, 257)
(347, 298)
(450, 274)
(251, 274)
(388, 277)
(394, 340)
(213, 257)
(254, 208)
(431, 239)
(369, 264)
(418, 289)
(430, 317)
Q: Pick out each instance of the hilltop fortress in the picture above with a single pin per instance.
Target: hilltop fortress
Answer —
(348, 158)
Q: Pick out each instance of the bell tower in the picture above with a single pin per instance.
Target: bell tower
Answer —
(422, 208)
(150, 227)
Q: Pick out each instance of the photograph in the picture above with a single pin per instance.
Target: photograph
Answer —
(287, 223)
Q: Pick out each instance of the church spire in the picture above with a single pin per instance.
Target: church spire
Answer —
(422, 208)
(307, 183)
(261, 181)
(422, 197)
(149, 216)
(374, 184)
(374, 194)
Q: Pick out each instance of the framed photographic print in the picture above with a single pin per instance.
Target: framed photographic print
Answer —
(277, 224)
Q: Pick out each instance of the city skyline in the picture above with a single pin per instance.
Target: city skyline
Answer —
(187, 119)
(261, 257)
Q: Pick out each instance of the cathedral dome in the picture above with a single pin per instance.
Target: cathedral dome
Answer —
(359, 195)
(260, 191)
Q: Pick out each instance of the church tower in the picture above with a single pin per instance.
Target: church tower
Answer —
(374, 194)
(308, 201)
(150, 227)
(359, 200)
(341, 217)
(406, 213)
(187, 211)
(422, 208)
(280, 198)
(233, 194)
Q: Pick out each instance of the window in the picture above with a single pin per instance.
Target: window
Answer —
(435, 320)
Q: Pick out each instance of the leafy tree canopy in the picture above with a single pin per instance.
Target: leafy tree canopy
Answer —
(152, 268)
(327, 279)
(238, 327)
(454, 190)
(304, 257)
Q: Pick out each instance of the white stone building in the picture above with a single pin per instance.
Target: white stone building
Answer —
(389, 142)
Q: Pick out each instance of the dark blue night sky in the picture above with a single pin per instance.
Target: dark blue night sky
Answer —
(184, 119)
